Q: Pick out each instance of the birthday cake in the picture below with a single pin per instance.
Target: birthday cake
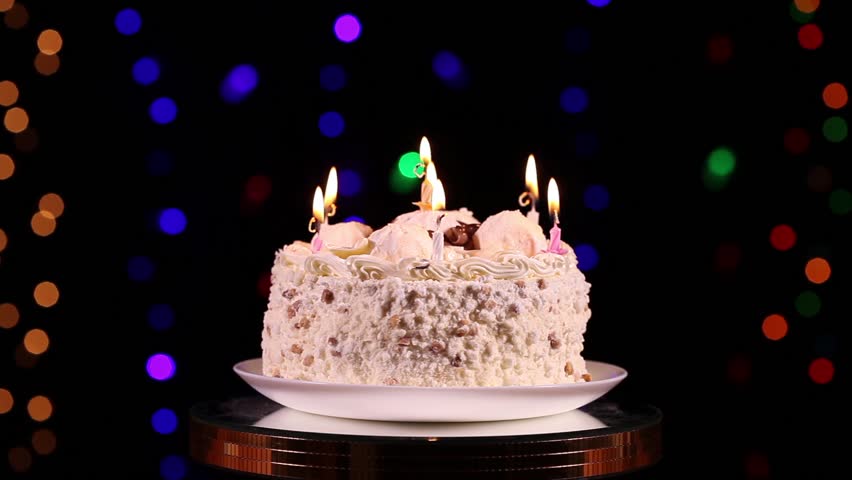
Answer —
(435, 298)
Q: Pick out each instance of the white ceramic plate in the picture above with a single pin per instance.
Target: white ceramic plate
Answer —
(431, 404)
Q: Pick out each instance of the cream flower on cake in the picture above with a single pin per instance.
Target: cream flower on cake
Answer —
(397, 241)
(509, 230)
(343, 235)
(428, 219)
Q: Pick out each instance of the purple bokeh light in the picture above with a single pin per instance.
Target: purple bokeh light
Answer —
(347, 28)
(160, 366)
(239, 83)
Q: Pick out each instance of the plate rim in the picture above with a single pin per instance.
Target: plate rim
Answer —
(621, 374)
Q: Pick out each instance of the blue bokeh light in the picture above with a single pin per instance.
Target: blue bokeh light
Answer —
(349, 183)
(596, 197)
(163, 110)
(598, 3)
(161, 316)
(331, 124)
(140, 268)
(578, 40)
(146, 71)
(128, 21)
(586, 144)
(587, 257)
(354, 218)
(239, 83)
(173, 467)
(574, 100)
(164, 421)
(172, 221)
(447, 65)
(159, 163)
(332, 78)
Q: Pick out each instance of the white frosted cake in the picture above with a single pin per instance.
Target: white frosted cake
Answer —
(491, 307)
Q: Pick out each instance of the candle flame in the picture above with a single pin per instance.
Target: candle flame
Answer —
(319, 206)
(439, 199)
(431, 173)
(532, 178)
(553, 199)
(331, 188)
(425, 151)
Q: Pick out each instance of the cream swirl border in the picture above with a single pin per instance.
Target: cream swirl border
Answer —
(504, 265)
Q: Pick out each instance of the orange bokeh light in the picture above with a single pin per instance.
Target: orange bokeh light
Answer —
(775, 327)
(6, 401)
(40, 408)
(16, 17)
(46, 294)
(818, 270)
(3, 240)
(835, 95)
(9, 315)
(16, 120)
(44, 441)
(43, 223)
(49, 42)
(36, 341)
(807, 6)
(20, 459)
(8, 93)
(52, 203)
(46, 64)
(5, 5)
(7, 167)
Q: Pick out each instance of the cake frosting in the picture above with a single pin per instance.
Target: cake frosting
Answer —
(379, 307)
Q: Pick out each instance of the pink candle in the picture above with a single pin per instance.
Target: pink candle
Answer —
(556, 239)
(553, 206)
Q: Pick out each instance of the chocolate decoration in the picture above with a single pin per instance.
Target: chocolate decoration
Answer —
(461, 235)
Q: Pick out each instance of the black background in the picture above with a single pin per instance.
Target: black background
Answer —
(663, 307)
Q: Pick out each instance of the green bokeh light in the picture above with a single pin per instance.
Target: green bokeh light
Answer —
(840, 202)
(401, 184)
(808, 304)
(800, 16)
(407, 163)
(835, 129)
(721, 162)
(714, 183)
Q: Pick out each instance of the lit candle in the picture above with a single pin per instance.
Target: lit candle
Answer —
(438, 203)
(429, 175)
(555, 231)
(530, 196)
(318, 218)
(330, 194)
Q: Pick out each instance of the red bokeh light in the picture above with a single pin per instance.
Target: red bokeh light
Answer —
(258, 189)
(728, 256)
(720, 48)
(821, 371)
(739, 369)
(756, 465)
(796, 141)
(782, 237)
(264, 283)
(810, 37)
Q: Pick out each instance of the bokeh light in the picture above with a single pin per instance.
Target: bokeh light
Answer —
(3, 240)
(808, 304)
(331, 124)
(44, 441)
(46, 65)
(401, 184)
(9, 315)
(796, 140)
(407, 163)
(146, 71)
(799, 16)
(810, 36)
(40, 408)
(164, 421)
(16, 17)
(819, 179)
(739, 369)
(160, 366)
(159, 163)
(163, 110)
(821, 371)
(53, 204)
(258, 189)
(173, 467)
(721, 162)
(5, 5)
(172, 221)
(587, 257)
(806, 6)
(332, 78)
(774, 327)
(49, 42)
(578, 40)
(26, 141)
(8, 93)
(46, 294)
(347, 28)
(43, 223)
(586, 144)
(354, 218)
(161, 316)
(20, 459)
(840, 201)
(140, 268)
(7, 401)
(720, 48)
(818, 270)
(782, 237)
(7, 167)
(128, 21)
(36, 341)
(727, 257)
(596, 197)
(16, 120)
(350, 183)
(239, 83)
(598, 3)
(447, 65)
(574, 100)
(835, 129)
(835, 95)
